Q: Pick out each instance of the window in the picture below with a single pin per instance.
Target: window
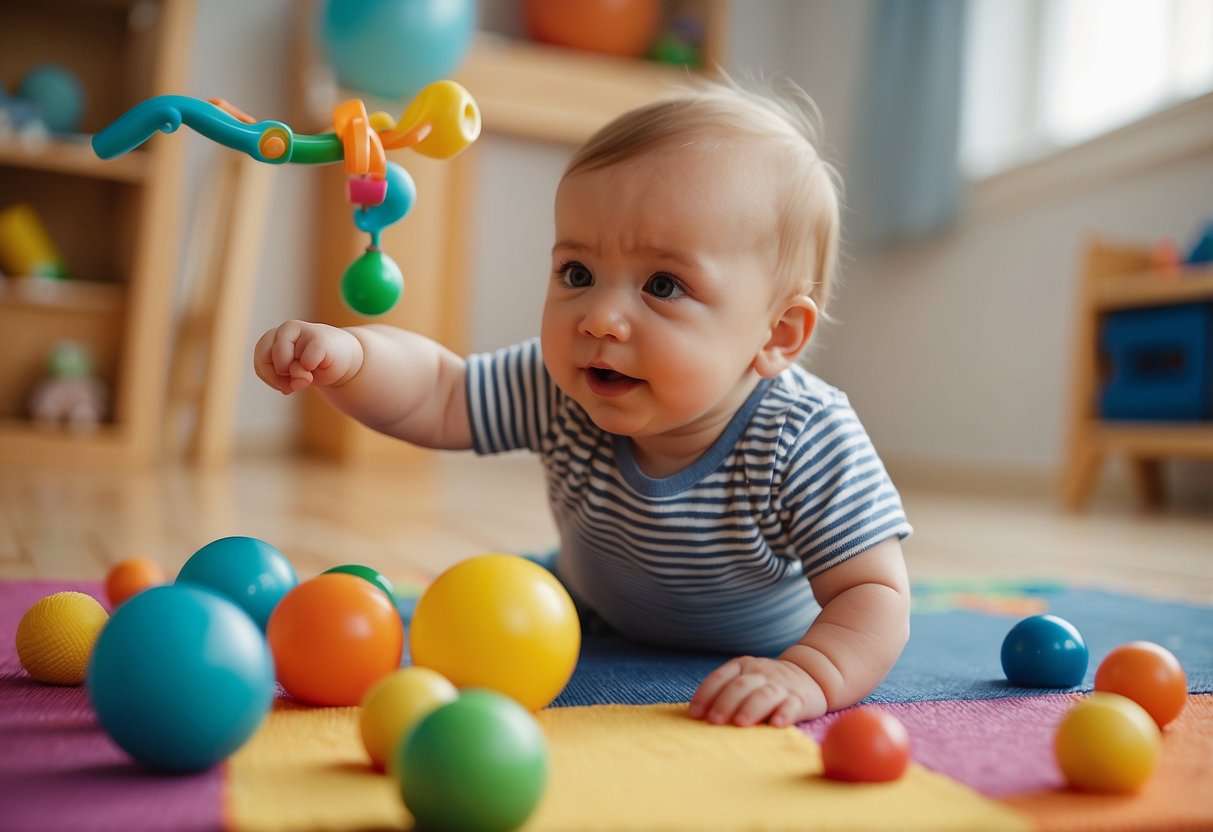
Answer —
(1042, 75)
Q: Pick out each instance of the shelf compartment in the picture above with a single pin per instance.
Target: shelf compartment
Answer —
(32, 327)
(91, 222)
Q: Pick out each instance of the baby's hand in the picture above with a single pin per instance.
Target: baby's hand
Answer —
(749, 690)
(297, 355)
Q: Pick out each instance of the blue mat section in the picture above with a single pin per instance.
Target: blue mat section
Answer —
(952, 654)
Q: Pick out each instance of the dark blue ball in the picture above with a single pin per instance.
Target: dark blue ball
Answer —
(1044, 651)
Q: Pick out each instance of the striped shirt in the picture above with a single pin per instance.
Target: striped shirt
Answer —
(716, 556)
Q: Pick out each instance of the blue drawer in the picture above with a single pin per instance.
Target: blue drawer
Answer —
(1159, 363)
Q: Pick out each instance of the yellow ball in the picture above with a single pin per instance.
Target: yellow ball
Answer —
(500, 622)
(395, 704)
(56, 636)
(1107, 743)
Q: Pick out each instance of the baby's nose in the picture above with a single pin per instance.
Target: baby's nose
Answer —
(606, 318)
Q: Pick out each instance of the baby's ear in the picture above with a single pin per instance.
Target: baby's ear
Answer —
(790, 335)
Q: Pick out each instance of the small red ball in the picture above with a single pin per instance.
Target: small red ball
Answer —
(866, 745)
(1147, 673)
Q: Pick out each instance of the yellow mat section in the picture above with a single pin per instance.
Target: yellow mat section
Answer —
(305, 768)
(614, 767)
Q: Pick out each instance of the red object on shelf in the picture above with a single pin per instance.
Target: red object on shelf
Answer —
(614, 27)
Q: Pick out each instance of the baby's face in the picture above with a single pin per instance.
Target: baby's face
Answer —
(662, 288)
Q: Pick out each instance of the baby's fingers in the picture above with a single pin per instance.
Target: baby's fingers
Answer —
(710, 688)
(263, 363)
(313, 354)
(300, 377)
(282, 351)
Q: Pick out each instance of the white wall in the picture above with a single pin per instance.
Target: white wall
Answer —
(954, 351)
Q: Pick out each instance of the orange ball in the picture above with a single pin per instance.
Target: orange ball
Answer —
(130, 577)
(614, 27)
(1147, 673)
(866, 745)
(333, 638)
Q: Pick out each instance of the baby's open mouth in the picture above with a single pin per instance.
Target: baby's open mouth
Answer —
(610, 375)
(605, 382)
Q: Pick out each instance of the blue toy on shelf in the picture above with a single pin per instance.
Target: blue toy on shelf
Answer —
(1160, 363)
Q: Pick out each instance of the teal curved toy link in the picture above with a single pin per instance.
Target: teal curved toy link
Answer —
(440, 122)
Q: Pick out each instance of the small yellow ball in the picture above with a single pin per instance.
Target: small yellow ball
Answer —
(395, 704)
(56, 636)
(1107, 743)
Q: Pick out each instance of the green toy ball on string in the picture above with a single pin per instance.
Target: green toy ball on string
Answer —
(372, 284)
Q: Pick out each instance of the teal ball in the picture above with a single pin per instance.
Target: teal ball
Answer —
(180, 677)
(58, 95)
(394, 48)
(249, 572)
(480, 762)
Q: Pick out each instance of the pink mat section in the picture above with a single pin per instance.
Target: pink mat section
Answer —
(999, 747)
(58, 771)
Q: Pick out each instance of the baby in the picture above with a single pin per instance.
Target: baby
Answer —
(710, 493)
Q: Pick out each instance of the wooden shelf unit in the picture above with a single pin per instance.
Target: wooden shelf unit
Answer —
(525, 90)
(115, 223)
(1123, 276)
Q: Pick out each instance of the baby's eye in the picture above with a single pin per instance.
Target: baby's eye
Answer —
(664, 286)
(575, 275)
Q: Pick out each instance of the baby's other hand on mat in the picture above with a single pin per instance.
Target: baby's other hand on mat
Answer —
(749, 690)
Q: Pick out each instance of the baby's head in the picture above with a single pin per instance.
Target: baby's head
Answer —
(772, 133)
(695, 242)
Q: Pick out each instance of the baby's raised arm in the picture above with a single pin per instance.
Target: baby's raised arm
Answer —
(855, 640)
(394, 381)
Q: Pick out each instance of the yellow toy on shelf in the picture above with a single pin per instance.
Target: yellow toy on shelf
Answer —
(26, 248)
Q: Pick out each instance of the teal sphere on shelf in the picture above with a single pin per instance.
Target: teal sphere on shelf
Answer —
(393, 48)
(57, 94)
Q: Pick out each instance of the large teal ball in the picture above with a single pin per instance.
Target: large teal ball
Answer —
(393, 48)
(58, 95)
(180, 678)
(248, 571)
(480, 762)
(372, 284)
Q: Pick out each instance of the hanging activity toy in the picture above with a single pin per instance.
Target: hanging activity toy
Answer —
(440, 122)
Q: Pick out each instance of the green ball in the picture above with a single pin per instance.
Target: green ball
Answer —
(480, 762)
(367, 574)
(372, 284)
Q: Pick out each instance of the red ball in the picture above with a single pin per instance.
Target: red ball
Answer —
(1147, 673)
(333, 638)
(866, 745)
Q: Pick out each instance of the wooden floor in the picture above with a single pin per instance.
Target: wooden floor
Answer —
(66, 523)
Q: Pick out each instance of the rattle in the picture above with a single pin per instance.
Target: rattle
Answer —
(440, 122)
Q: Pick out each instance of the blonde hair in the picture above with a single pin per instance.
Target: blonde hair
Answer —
(787, 121)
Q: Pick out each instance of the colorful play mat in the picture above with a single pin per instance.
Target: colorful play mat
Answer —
(625, 755)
